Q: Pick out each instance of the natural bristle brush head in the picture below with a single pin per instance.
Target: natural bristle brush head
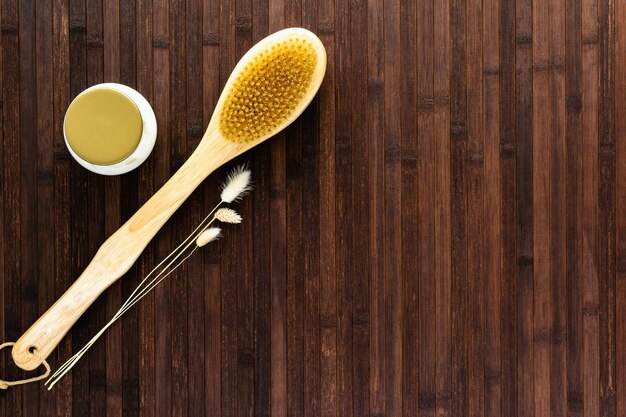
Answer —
(271, 85)
(268, 90)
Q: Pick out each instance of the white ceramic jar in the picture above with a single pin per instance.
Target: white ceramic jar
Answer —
(110, 129)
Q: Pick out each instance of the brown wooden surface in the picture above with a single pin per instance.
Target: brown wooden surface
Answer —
(442, 232)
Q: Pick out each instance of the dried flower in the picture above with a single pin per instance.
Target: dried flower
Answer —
(209, 235)
(237, 184)
(228, 215)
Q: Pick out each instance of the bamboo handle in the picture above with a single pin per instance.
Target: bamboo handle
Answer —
(118, 254)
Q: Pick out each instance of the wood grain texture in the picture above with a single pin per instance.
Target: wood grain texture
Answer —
(442, 232)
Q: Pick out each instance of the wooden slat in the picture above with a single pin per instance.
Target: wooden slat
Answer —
(608, 184)
(589, 108)
(61, 96)
(493, 208)
(620, 226)
(311, 246)
(344, 213)
(278, 255)
(28, 181)
(525, 191)
(128, 205)
(392, 234)
(508, 190)
(179, 285)
(212, 290)
(241, 253)
(376, 262)
(229, 277)
(2, 199)
(574, 203)
(79, 218)
(415, 119)
(112, 220)
(11, 186)
(541, 208)
(161, 154)
(195, 128)
(295, 264)
(443, 242)
(458, 209)
(261, 166)
(96, 211)
(558, 212)
(606, 206)
(475, 160)
(327, 204)
(145, 84)
(361, 205)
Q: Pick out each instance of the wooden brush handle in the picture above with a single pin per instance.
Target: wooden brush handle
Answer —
(118, 253)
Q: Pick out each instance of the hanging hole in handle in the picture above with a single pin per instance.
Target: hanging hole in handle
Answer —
(31, 349)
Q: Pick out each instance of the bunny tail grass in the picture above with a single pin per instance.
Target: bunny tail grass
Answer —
(228, 215)
(236, 185)
(209, 235)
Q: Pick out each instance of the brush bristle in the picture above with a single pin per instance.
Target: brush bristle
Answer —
(268, 90)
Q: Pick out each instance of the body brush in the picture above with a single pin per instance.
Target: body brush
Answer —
(268, 89)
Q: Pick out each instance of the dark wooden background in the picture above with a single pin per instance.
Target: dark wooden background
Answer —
(443, 231)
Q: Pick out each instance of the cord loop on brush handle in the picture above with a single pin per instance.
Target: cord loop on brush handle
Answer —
(6, 384)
